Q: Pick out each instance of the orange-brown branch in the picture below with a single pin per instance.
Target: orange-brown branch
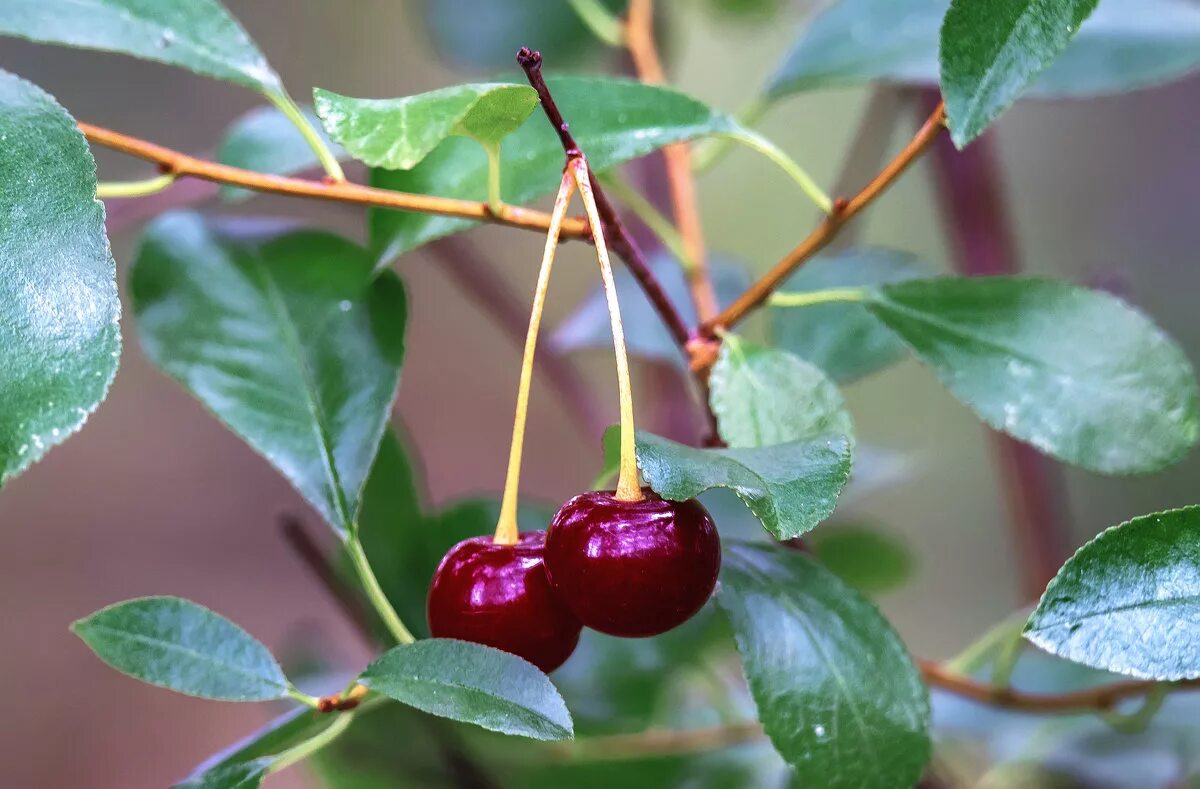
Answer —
(844, 211)
(184, 165)
(639, 39)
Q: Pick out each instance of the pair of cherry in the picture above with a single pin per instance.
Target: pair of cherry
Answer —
(625, 568)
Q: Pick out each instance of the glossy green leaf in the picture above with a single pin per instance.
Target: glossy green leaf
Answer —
(613, 120)
(59, 339)
(240, 775)
(1123, 45)
(789, 487)
(473, 684)
(645, 335)
(764, 396)
(1077, 373)
(839, 337)
(179, 645)
(1129, 600)
(288, 340)
(198, 35)
(837, 692)
(870, 560)
(991, 51)
(266, 141)
(397, 134)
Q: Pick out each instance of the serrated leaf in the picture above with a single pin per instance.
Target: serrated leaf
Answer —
(59, 338)
(239, 775)
(613, 121)
(991, 51)
(288, 340)
(588, 327)
(198, 35)
(837, 692)
(841, 337)
(789, 487)
(473, 684)
(1129, 600)
(265, 141)
(1123, 45)
(1078, 374)
(763, 396)
(870, 560)
(397, 134)
(179, 645)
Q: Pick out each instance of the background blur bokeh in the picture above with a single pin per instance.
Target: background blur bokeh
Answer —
(155, 497)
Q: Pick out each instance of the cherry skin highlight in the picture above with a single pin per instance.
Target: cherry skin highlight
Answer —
(632, 568)
(498, 595)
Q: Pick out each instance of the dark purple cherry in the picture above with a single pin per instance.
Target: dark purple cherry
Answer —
(632, 568)
(498, 595)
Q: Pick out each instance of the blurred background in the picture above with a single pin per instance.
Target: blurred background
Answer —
(156, 497)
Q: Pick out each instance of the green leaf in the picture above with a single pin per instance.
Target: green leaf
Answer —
(179, 645)
(1123, 45)
(1077, 373)
(198, 35)
(59, 338)
(288, 340)
(841, 337)
(871, 561)
(240, 775)
(613, 121)
(587, 327)
(398, 133)
(473, 684)
(991, 51)
(763, 396)
(266, 141)
(837, 692)
(789, 487)
(286, 731)
(1129, 600)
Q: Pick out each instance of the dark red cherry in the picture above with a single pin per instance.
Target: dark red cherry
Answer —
(632, 568)
(498, 595)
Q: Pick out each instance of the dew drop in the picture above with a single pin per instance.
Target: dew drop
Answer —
(344, 305)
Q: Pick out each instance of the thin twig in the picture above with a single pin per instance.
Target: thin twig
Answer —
(459, 259)
(980, 231)
(844, 210)
(639, 39)
(316, 560)
(619, 239)
(182, 165)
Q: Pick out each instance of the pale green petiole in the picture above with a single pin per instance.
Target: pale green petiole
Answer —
(651, 216)
(291, 111)
(141, 188)
(808, 298)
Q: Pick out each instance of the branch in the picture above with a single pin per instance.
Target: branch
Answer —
(182, 165)
(980, 232)
(619, 239)
(639, 39)
(844, 210)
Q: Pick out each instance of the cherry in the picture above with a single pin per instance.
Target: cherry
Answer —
(498, 595)
(632, 568)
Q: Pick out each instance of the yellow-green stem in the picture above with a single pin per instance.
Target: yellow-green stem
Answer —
(304, 698)
(651, 216)
(600, 21)
(628, 487)
(507, 531)
(374, 591)
(808, 298)
(310, 746)
(141, 188)
(495, 201)
(712, 150)
(284, 103)
(773, 152)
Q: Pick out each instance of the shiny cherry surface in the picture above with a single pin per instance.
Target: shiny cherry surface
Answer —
(498, 595)
(632, 568)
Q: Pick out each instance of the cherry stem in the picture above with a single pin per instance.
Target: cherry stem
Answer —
(628, 487)
(507, 531)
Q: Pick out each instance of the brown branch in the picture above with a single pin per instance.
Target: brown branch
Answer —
(639, 40)
(459, 259)
(980, 232)
(184, 166)
(843, 211)
(618, 237)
